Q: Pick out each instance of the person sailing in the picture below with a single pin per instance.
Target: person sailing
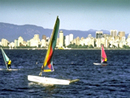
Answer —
(42, 68)
(9, 64)
(105, 61)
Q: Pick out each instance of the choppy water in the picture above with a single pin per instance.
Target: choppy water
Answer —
(112, 81)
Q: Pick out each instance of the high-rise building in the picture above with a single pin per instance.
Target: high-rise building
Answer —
(4, 42)
(43, 43)
(36, 37)
(99, 34)
(44, 37)
(61, 38)
(77, 41)
(28, 42)
(67, 40)
(16, 43)
(128, 40)
(20, 41)
(98, 42)
(35, 41)
(121, 34)
(113, 33)
(11, 45)
(71, 37)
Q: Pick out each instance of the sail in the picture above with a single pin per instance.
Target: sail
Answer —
(48, 63)
(103, 55)
(6, 59)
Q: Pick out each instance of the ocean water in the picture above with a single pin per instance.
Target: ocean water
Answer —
(112, 81)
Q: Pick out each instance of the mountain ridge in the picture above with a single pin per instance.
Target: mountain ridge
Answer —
(12, 31)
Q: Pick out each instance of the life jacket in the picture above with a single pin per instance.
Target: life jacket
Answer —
(9, 62)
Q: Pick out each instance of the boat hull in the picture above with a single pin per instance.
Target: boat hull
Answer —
(97, 63)
(9, 69)
(48, 81)
(103, 64)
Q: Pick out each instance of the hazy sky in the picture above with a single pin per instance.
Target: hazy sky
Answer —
(73, 14)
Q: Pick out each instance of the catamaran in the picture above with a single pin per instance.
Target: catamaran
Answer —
(103, 57)
(48, 63)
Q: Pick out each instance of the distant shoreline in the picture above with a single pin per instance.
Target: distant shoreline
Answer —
(67, 49)
(96, 49)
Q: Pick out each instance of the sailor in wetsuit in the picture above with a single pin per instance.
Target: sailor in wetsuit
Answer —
(9, 64)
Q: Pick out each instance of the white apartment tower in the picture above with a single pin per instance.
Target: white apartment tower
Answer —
(36, 37)
(35, 41)
(43, 43)
(71, 37)
(20, 41)
(16, 42)
(61, 37)
(67, 40)
(4, 42)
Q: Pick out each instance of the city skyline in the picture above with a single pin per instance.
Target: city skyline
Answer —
(60, 31)
(108, 40)
(74, 14)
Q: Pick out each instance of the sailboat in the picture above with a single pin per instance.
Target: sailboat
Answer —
(7, 61)
(6, 58)
(103, 57)
(48, 63)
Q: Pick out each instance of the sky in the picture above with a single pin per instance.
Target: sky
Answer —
(73, 14)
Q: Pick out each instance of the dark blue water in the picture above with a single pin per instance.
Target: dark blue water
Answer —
(112, 81)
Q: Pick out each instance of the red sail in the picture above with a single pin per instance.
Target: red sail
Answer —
(103, 55)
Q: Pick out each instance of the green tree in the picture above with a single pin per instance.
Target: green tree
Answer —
(125, 46)
(91, 46)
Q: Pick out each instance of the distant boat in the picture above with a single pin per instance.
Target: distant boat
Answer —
(103, 57)
(7, 60)
(48, 63)
(33, 48)
(5, 57)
